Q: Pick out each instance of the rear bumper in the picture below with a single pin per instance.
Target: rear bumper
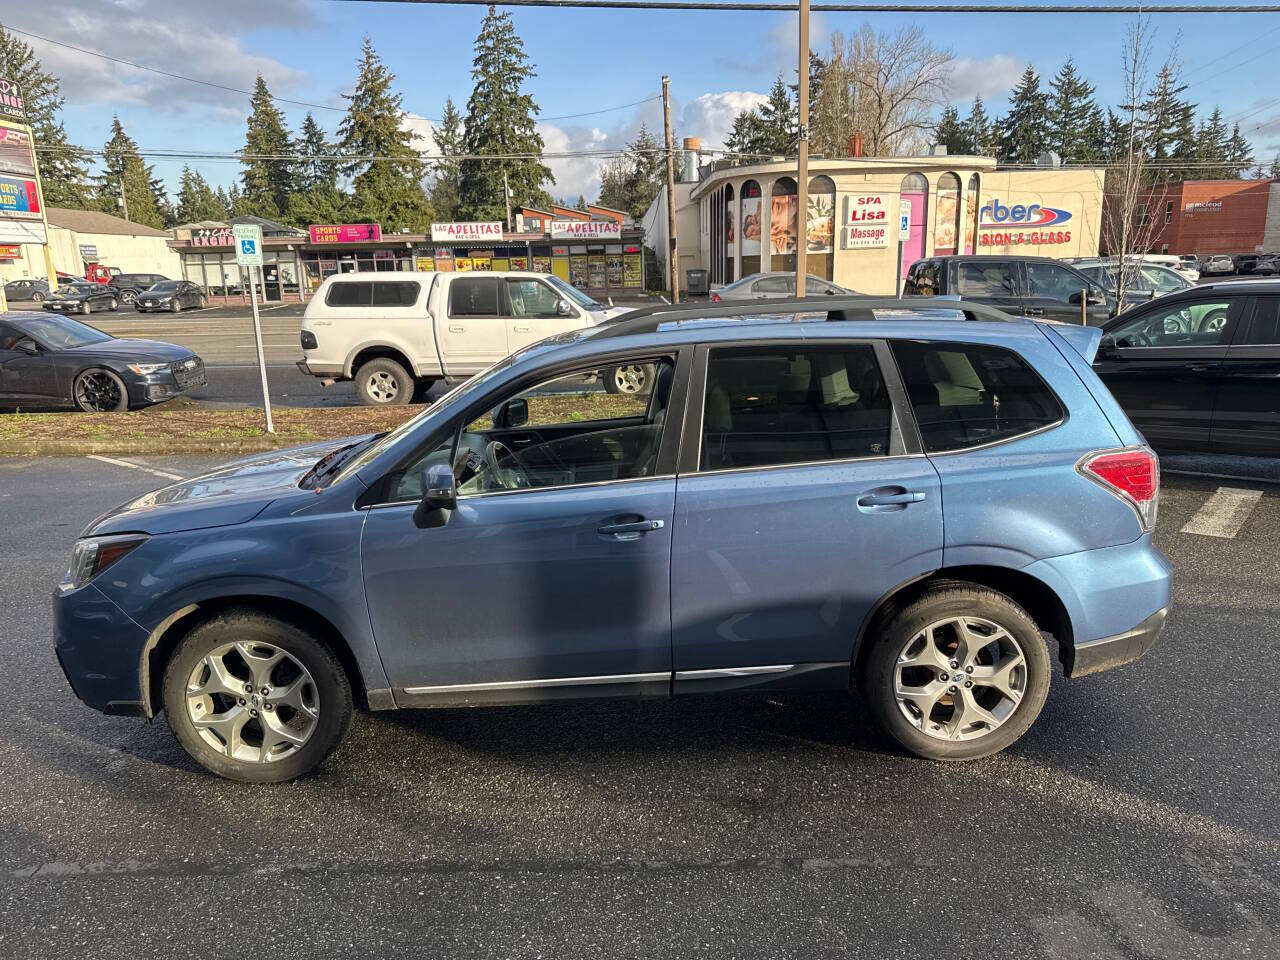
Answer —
(1094, 656)
(320, 369)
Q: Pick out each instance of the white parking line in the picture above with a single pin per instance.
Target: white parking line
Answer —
(1224, 513)
(134, 466)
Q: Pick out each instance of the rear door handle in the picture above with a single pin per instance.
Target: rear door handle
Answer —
(889, 499)
(636, 526)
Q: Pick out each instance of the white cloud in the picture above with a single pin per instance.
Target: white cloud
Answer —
(576, 175)
(710, 116)
(989, 77)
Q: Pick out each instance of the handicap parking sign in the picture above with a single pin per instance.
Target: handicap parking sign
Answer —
(248, 237)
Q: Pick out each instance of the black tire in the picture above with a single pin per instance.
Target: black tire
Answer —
(331, 688)
(99, 391)
(203, 302)
(85, 309)
(128, 296)
(175, 306)
(937, 604)
(113, 305)
(381, 382)
(37, 297)
(630, 380)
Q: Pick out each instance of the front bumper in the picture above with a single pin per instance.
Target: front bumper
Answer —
(100, 650)
(1094, 656)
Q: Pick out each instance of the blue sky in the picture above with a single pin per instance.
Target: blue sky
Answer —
(585, 60)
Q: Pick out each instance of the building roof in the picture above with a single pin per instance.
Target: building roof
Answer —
(95, 221)
(819, 166)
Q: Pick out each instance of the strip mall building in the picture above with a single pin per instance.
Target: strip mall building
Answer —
(738, 220)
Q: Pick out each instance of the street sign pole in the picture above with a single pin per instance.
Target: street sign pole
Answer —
(904, 230)
(248, 239)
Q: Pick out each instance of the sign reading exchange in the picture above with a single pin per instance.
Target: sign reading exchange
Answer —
(345, 233)
(486, 231)
(19, 199)
(586, 230)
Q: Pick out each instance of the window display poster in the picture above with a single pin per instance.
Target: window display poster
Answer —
(782, 225)
(597, 271)
(462, 264)
(730, 226)
(614, 269)
(501, 263)
(425, 263)
(750, 226)
(820, 223)
(541, 264)
(971, 221)
(632, 270)
(944, 229)
(519, 263)
(578, 271)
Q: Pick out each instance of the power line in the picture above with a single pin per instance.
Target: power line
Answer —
(941, 7)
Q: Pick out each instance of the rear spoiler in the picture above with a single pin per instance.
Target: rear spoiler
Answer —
(1083, 340)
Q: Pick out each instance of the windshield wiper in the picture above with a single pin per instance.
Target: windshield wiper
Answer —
(330, 462)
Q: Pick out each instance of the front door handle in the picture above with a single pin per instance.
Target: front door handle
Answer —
(890, 499)
(635, 526)
(1034, 312)
(522, 328)
(457, 328)
(1197, 367)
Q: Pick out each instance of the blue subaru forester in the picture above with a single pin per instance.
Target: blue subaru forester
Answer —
(913, 501)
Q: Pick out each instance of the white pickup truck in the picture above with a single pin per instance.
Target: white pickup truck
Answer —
(397, 334)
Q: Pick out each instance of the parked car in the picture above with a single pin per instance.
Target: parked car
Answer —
(1030, 286)
(1143, 281)
(132, 284)
(1217, 264)
(1200, 370)
(775, 285)
(48, 359)
(171, 295)
(83, 297)
(370, 329)
(1190, 266)
(100, 273)
(822, 468)
(31, 291)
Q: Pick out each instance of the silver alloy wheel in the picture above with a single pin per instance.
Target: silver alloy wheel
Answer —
(383, 387)
(252, 701)
(960, 678)
(631, 378)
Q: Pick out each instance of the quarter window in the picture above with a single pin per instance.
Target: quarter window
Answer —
(778, 405)
(1265, 328)
(1198, 323)
(773, 285)
(964, 395)
(473, 297)
(985, 279)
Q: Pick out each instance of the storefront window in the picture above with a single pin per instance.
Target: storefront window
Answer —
(946, 227)
(971, 215)
(820, 228)
(750, 221)
(784, 229)
(730, 228)
(915, 190)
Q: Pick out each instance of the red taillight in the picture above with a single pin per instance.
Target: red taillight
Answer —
(1133, 474)
(715, 298)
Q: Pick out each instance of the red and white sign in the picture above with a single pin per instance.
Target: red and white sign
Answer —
(10, 252)
(586, 230)
(346, 233)
(443, 232)
(866, 220)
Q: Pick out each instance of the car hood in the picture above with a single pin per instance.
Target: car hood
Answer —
(233, 493)
(132, 350)
(74, 295)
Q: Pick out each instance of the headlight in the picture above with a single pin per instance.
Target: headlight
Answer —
(144, 369)
(165, 299)
(89, 557)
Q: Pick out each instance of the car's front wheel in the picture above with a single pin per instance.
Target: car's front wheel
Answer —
(85, 308)
(113, 305)
(128, 296)
(256, 699)
(37, 297)
(960, 673)
(100, 391)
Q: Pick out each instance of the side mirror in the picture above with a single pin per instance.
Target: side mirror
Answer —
(28, 346)
(513, 413)
(439, 497)
(564, 308)
(1107, 349)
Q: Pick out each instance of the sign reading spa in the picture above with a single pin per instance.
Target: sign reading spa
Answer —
(1011, 224)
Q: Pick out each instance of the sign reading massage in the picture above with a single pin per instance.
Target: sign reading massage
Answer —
(345, 233)
(866, 221)
(586, 230)
(481, 231)
(1015, 224)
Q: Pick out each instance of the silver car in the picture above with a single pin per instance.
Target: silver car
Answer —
(34, 291)
(772, 286)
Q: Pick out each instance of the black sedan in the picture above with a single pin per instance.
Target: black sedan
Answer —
(33, 291)
(1199, 370)
(83, 298)
(52, 360)
(171, 295)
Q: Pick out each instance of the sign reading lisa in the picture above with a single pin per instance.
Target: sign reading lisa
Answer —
(488, 230)
(345, 232)
(866, 221)
(586, 230)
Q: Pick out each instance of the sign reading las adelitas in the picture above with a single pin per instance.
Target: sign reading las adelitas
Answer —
(586, 230)
(443, 232)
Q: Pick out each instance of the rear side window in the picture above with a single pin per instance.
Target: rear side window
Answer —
(773, 285)
(922, 280)
(778, 405)
(1265, 327)
(985, 279)
(349, 295)
(473, 297)
(964, 394)
(383, 293)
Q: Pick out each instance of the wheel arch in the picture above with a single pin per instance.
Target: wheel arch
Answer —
(365, 352)
(164, 639)
(1035, 596)
(88, 367)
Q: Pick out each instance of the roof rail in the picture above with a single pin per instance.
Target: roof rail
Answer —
(837, 308)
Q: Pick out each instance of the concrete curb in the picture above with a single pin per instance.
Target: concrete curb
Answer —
(82, 448)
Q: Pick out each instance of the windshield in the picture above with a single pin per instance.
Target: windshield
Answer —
(570, 292)
(79, 287)
(62, 333)
(165, 285)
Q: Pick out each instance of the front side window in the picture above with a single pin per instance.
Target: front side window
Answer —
(1162, 279)
(766, 406)
(532, 298)
(985, 279)
(964, 395)
(1052, 281)
(774, 285)
(473, 297)
(1198, 323)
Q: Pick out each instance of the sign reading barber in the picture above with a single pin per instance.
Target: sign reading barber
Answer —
(1015, 224)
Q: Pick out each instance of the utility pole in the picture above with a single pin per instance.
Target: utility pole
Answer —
(124, 201)
(506, 195)
(802, 149)
(673, 260)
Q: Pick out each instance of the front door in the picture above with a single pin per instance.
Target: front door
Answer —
(473, 332)
(993, 282)
(27, 371)
(552, 577)
(535, 312)
(271, 282)
(1246, 418)
(1167, 368)
(797, 509)
(1055, 293)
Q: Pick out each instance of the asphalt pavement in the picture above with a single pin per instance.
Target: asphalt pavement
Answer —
(1137, 819)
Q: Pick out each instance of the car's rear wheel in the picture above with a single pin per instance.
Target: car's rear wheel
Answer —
(37, 297)
(382, 382)
(256, 699)
(113, 305)
(960, 673)
(175, 305)
(128, 296)
(99, 391)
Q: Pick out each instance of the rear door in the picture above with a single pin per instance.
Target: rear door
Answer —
(1167, 367)
(800, 502)
(473, 333)
(994, 282)
(768, 288)
(1246, 419)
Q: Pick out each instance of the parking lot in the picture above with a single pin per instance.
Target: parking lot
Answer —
(1138, 818)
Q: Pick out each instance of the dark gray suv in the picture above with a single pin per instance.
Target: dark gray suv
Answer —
(1037, 287)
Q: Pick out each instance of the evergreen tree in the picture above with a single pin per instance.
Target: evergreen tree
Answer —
(1160, 116)
(747, 137)
(1239, 154)
(1212, 151)
(168, 212)
(631, 182)
(448, 137)
(317, 198)
(1184, 148)
(267, 182)
(778, 122)
(387, 188)
(581, 204)
(237, 204)
(1024, 130)
(125, 173)
(978, 132)
(63, 176)
(224, 203)
(1115, 136)
(500, 120)
(196, 199)
(1274, 172)
(1071, 111)
(951, 133)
